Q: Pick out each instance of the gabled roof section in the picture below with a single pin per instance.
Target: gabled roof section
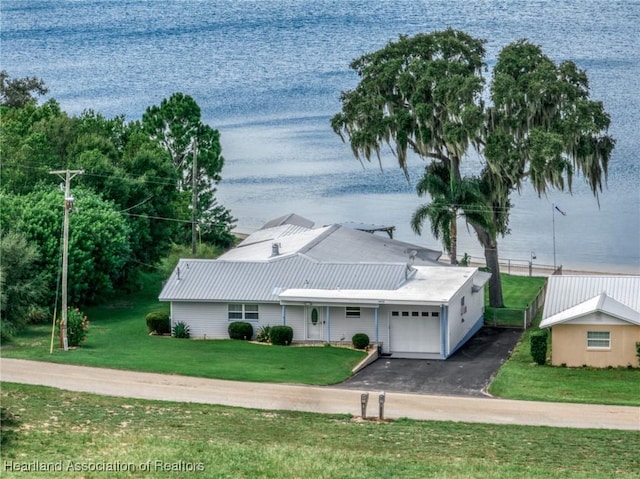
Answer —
(598, 304)
(571, 297)
(272, 234)
(219, 280)
(342, 243)
(259, 246)
(291, 219)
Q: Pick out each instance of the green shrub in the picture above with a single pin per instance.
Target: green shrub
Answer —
(360, 341)
(240, 330)
(538, 342)
(264, 334)
(37, 315)
(158, 322)
(169, 262)
(181, 330)
(77, 326)
(281, 335)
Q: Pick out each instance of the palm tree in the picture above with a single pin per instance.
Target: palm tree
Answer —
(450, 198)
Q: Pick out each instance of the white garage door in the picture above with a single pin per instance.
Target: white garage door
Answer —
(414, 334)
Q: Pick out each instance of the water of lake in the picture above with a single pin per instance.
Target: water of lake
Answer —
(268, 75)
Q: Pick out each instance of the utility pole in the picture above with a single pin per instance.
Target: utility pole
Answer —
(68, 204)
(194, 198)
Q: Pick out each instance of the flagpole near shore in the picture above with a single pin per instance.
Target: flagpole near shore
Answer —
(553, 215)
(555, 207)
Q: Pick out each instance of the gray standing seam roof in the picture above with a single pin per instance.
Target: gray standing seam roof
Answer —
(564, 292)
(219, 280)
(341, 243)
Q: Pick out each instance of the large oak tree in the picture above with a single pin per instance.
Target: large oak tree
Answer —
(426, 95)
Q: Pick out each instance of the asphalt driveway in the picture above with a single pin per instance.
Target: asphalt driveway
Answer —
(466, 373)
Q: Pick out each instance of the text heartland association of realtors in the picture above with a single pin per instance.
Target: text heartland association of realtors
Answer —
(116, 466)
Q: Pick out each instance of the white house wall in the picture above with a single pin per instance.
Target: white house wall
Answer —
(439, 335)
(295, 318)
(463, 320)
(342, 328)
(205, 320)
(211, 320)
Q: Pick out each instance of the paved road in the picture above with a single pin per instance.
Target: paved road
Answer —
(111, 382)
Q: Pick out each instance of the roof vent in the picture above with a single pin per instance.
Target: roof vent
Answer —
(275, 249)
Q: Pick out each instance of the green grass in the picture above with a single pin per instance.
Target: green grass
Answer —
(518, 293)
(118, 339)
(521, 378)
(51, 425)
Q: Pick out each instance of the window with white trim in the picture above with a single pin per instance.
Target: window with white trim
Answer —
(243, 312)
(598, 340)
(352, 312)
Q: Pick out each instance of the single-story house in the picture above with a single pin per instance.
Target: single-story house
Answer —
(329, 283)
(594, 320)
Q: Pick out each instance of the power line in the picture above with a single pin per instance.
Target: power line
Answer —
(151, 180)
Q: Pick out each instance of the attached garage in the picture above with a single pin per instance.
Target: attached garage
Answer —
(415, 332)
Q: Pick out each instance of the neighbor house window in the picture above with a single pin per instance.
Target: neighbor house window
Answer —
(599, 339)
(352, 312)
(239, 311)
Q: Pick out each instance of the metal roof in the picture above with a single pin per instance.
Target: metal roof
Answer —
(290, 219)
(430, 284)
(288, 244)
(219, 280)
(569, 297)
(327, 261)
(272, 234)
(341, 243)
(601, 303)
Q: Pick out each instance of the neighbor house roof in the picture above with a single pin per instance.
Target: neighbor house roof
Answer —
(571, 297)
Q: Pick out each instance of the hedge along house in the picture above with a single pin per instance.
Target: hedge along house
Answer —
(594, 320)
(328, 284)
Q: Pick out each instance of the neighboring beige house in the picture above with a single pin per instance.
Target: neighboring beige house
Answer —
(594, 320)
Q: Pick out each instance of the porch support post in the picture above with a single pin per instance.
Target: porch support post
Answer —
(444, 321)
(284, 314)
(377, 324)
(328, 324)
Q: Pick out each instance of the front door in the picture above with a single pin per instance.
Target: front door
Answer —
(315, 324)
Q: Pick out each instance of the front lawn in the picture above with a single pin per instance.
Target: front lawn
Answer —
(155, 439)
(118, 339)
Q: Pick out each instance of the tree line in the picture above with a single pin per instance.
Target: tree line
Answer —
(134, 199)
